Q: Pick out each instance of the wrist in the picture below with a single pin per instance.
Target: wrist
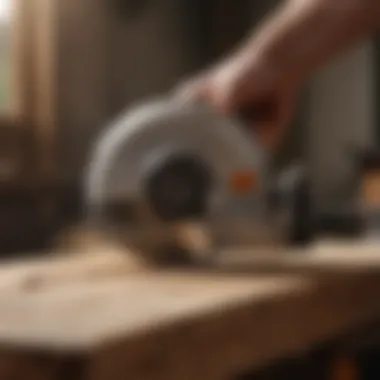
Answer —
(284, 64)
(268, 60)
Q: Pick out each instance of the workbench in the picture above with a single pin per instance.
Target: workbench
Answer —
(96, 316)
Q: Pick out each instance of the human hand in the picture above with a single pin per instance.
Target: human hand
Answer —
(252, 88)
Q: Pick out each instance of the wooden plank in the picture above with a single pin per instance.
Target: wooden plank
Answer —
(120, 320)
(325, 257)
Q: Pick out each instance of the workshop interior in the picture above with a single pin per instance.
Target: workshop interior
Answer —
(70, 153)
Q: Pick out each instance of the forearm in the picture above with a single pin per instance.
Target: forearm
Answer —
(304, 34)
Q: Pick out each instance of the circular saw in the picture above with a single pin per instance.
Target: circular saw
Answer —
(178, 182)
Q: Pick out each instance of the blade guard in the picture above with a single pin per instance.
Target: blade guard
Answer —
(164, 127)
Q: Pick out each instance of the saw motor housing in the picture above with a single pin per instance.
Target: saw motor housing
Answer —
(170, 173)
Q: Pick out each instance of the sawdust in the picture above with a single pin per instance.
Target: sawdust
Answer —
(79, 255)
(87, 243)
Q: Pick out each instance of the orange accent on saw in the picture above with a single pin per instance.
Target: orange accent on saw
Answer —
(344, 369)
(242, 183)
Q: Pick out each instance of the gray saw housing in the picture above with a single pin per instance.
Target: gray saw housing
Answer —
(161, 175)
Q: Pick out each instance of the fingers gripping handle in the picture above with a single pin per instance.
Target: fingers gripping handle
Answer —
(254, 117)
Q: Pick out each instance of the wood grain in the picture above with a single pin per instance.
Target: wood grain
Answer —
(100, 317)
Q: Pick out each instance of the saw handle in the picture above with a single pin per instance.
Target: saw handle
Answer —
(261, 119)
(253, 117)
(259, 113)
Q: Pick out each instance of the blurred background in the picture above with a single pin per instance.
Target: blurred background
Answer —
(68, 67)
